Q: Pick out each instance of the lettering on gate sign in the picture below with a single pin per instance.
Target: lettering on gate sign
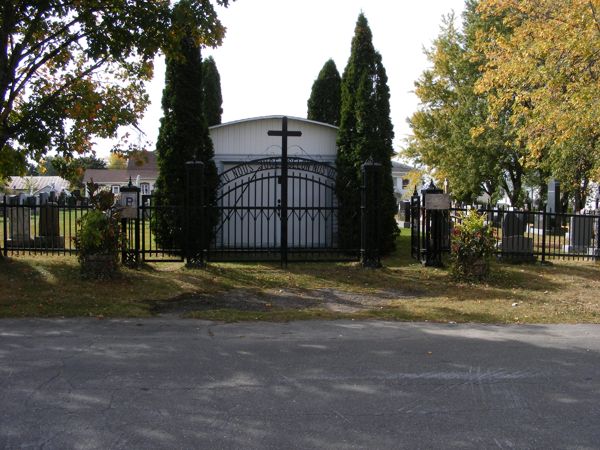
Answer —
(251, 167)
(437, 201)
(129, 204)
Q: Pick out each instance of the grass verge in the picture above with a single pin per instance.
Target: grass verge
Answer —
(563, 292)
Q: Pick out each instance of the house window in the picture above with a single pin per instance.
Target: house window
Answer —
(145, 187)
(115, 189)
(405, 183)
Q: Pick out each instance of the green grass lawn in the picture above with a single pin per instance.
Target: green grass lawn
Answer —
(50, 286)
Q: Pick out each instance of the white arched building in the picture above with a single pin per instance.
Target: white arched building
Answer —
(249, 164)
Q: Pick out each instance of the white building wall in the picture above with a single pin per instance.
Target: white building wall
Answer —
(247, 139)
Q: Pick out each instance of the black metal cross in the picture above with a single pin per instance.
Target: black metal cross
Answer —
(284, 133)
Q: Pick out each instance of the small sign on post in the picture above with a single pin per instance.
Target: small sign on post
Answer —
(437, 201)
(129, 203)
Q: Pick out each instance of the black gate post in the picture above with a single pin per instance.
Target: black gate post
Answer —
(597, 250)
(130, 201)
(4, 223)
(415, 225)
(284, 193)
(543, 236)
(194, 244)
(370, 215)
(434, 225)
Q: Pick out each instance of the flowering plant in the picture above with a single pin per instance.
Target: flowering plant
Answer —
(472, 246)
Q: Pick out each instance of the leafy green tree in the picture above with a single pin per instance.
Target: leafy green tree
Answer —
(326, 95)
(183, 136)
(73, 70)
(452, 130)
(211, 90)
(365, 132)
(547, 71)
(90, 162)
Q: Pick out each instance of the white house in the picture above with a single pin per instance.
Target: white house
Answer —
(401, 181)
(142, 170)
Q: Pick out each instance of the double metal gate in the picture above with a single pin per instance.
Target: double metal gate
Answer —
(255, 223)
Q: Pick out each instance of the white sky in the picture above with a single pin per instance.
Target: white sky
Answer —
(274, 50)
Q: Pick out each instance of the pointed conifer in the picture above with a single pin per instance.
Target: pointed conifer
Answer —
(365, 132)
(325, 96)
(211, 88)
(183, 136)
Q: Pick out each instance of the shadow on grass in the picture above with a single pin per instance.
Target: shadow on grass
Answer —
(587, 271)
(53, 287)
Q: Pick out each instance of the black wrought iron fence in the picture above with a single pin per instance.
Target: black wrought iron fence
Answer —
(539, 235)
(150, 247)
(34, 225)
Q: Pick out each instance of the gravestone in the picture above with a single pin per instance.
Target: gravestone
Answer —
(515, 246)
(581, 231)
(49, 227)
(553, 204)
(553, 207)
(71, 201)
(514, 224)
(18, 220)
(404, 214)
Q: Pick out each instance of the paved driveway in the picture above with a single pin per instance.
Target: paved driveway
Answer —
(343, 384)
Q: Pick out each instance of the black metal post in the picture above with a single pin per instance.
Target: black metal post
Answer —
(130, 255)
(137, 231)
(195, 238)
(143, 226)
(415, 224)
(597, 251)
(370, 215)
(124, 256)
(431, 252)
(283, 205)
(4, 222)
(543, 236)
(284, 193)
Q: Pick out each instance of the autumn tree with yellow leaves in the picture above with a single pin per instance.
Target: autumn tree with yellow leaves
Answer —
(451, 131)
(547, 72)
(515, 93)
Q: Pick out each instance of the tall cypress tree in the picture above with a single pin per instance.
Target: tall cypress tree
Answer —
(325, 96)
(211, 89)
(183, 136)
(365, 132)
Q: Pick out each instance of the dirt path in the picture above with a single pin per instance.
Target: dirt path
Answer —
(282, 299)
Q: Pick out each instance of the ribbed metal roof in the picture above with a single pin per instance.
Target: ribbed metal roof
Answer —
(37, 183)
(256, 119)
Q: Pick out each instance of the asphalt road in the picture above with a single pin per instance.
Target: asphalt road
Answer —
(344, 384)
